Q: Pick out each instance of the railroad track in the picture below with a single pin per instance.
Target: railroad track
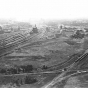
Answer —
(65, 74)
(66, 63)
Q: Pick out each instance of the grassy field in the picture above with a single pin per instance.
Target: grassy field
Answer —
(52, 51)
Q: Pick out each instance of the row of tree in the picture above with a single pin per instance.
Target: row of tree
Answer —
(20, 69)
(25, 80)
(17, 70)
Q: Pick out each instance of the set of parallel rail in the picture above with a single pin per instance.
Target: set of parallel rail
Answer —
(11, 39)
(13, 42)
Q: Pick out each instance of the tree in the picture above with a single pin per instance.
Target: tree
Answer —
(79, 34)
(29, 68)
(3, 71)
(29, 80)
(44, 67)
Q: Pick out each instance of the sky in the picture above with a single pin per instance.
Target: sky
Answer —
(24, 10)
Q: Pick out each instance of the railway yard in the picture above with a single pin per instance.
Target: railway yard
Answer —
(37, 60)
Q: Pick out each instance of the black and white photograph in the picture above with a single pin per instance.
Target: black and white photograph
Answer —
(43, 43)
